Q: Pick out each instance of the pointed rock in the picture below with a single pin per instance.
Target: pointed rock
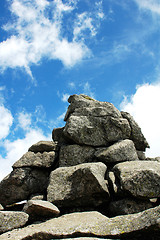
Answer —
(43, 146)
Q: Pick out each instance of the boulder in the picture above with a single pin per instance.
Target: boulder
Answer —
(71, 155)
(10, 220)
(93, 224)
(119, 152)
(139, 178)
(78, 186)
(39, 160)
(96, 131)
(43, 146)
(40, 209)
(21, 183)
(141, 155)
(83, 105)
(136, 134)
(1, 207)
(128, 206)
(58, 136)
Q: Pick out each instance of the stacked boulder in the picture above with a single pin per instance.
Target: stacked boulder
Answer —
(92, 181)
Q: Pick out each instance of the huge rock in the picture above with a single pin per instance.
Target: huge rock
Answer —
(71, 155)
(39, 160)
(139, 178)
(21, 183)
(96, 131)
(144, 225)
(43, 146)
(118, 152)
(78, 186)
(10, 220)
(136, 134)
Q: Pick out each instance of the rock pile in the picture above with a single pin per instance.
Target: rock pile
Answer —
(92, 181)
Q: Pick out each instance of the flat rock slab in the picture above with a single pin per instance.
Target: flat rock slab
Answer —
(40, 209)
(139, 178)
(91, 224)
(43, 146)
(78, 186)
(10, 220)
(71, 155)
(119, 152)
(40, 160)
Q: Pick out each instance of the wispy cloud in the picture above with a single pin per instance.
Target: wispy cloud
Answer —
(37, 32)
(151, 5)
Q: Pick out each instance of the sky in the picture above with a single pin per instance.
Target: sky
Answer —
(51, 49)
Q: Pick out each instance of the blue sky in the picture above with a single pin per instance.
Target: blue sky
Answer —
(50, 49)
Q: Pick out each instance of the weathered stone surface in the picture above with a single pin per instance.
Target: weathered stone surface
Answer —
(21, 183)
(58, 136)
(43, 146)
(39, 209)
(83, 105)
(71, 155)
(1, 207)
(136, 134)
(92, 224)
(81, 185)
(115, 186)
(119, 152)
(10, 220)
(96, 131)
(37, 196)
(139, 178)
(40, 160)
(128, 206)
(141, 155)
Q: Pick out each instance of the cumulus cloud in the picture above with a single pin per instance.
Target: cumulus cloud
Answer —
(6, 121)
(151, 5)
(37, 32)
(144, 107)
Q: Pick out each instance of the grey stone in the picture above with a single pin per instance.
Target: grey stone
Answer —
(71, 155)
(21, 183)
(128, 206)
(136, 134)
(141, 155)
(139, 178)
(58, 136)
(93, 224)
(37, 196)
(43, 146)
(10, 220)
(78, 186)
(115, 186)
(39, 209)
(119, 152)
(96, 131)
(84, 105)
(39, 160)
(1, 207)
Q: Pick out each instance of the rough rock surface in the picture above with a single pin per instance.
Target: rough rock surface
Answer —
(40, 160)
(10, 220)
(39, 209)
(96, 131)
(91, 224)
(21, 183)
(136, 134)
(43, 146)
(139, 178)
(81, 185)
(119, 152)
(71, 155)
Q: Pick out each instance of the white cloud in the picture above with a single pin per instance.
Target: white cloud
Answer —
(144, 107)
(65, 97)
(151, 5)
(37, 31)
(24, 120)
(6, 121)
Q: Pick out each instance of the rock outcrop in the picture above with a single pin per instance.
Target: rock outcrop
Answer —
(92, 181)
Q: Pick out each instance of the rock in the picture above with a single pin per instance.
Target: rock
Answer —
(136, 134)
(1, 207)
(128, 206)
(21, 183)
(96, 131)
(93, 224)
(10, 220)
(37, 197)
(114, 185)
(43, 146)
(40, 209)
(78, 186)
(141, 155)
(119, 152)
(83, 105)
(71, 155)
(58, 136)
(39, 160)
(139, 178)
